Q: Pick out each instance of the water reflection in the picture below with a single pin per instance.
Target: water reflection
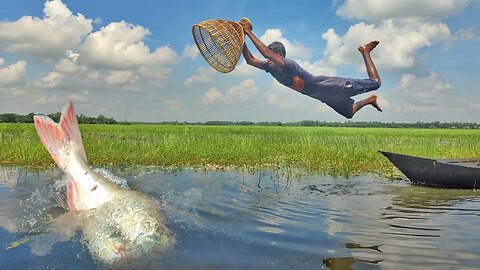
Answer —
(346, 263)
(259, 220)
(354, 245)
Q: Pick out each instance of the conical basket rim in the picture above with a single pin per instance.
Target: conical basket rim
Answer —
(212, 60)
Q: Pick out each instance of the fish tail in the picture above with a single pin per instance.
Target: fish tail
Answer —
(69, 123)
(63, 138)
(64, 143)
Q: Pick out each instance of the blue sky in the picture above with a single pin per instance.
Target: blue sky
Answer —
(138, 62)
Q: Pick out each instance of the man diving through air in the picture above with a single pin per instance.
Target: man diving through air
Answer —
(334, 91)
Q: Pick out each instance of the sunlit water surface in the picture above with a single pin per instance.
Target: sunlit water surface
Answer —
(258, 220)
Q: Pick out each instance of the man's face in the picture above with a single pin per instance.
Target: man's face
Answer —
(272, 64)
(280, 53)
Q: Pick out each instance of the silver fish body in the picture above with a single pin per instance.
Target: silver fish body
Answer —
(129, 226)
(118, 224)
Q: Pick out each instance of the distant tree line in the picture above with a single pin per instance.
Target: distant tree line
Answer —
(313, 123)
(82, 119)
(101, 119)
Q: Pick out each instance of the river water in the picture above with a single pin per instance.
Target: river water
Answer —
(258, 220)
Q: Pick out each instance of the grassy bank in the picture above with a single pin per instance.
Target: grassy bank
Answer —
(337, 151)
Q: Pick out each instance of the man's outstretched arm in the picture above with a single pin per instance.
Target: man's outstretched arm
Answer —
(250, 59)
(261, 47)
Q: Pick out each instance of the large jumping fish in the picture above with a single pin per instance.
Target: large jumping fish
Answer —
(118, 224)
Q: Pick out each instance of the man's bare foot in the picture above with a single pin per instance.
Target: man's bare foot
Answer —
(373, 102)
(368, 47)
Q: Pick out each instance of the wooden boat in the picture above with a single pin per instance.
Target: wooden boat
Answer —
(449, 173)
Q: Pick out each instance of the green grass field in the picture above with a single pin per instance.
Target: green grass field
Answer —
(335, 151)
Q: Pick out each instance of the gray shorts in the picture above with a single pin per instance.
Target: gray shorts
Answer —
(339, 98)
(355, 87)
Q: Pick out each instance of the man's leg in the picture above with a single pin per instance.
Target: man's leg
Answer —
(371, 70)
(371, 100)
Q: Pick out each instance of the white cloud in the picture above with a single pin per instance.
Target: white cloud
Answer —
(77, 98)
(282, 97)
(112, 58)
(211, 96)
(241, 93)
(51, 80)
(467, 34)
(468, 105)
(119, 45)
(204, 75)
(414, 108)
(421, 94)
(54, 99)
(244, 69)
(375, 10)
(119, 77)
(155, 72)
(42, 100)
(190, 52)
(279, 102)
(173, 104)
(12, 74)
(295, 50)
(424, 90)
(400, 42)
(46, 38)
(319, 67)
(68, 65)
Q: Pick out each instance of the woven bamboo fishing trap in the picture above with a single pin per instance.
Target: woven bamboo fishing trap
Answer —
(220, 42)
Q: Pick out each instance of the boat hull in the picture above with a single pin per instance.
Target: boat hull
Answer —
(448, 173)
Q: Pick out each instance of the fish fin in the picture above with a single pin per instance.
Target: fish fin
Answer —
(72, 195)
(52, 137)
(69, 124)
(59, 138)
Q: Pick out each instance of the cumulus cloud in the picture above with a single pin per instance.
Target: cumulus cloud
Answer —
(423, 90)
(211, 96)
(415, 108)
(295, 50)
(400, 42)
(244, 69)
(275, 99)
(204, 75)
(374, 10)
(468, 105)
(13, 74)
(190, 52)
(285, 98)
(421, 94)
(119, 45)
(68, 65)
(51, 80)
(403, 28)
(119, 77)
(48, 37)
(60, 99)
(241, 93)
(319, 67)
(114, 57)
(173, 104)
(467, 34)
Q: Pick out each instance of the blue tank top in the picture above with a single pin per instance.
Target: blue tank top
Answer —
(315, 86)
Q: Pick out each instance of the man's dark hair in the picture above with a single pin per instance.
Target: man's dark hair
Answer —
(277, 47)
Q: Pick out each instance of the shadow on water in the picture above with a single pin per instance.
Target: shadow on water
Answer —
(257, 220)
